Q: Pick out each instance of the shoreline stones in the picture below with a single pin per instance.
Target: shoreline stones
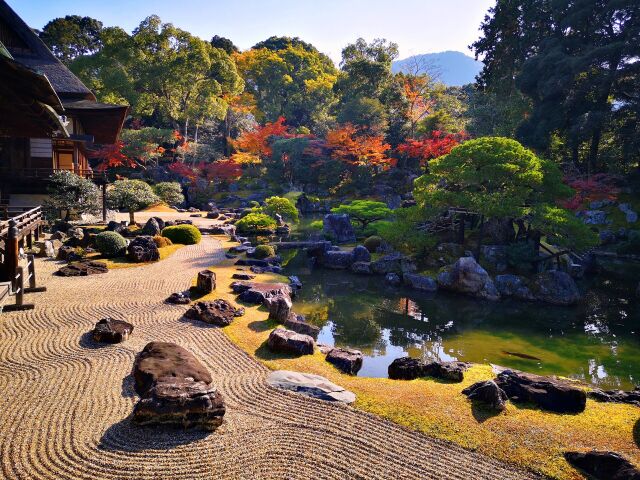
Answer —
(258, 293)
(468, 277)
(489, 394)
(346, 360)
(216, 312)
(279, 308)
(423, 283)
(109, 330)
(603, 465)
(310, 385)
(617, 396)
(546, 392)
(287, 341)
(555, 287)
(407, 368)
(298, 324)
(175, 390)
(206, 282)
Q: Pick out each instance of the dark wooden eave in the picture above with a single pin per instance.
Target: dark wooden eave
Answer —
(102, 120)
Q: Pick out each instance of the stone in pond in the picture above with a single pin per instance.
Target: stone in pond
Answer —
(298, 324)
(82, 269)
(181, 402)
(555, 287)
(406, 368)
(487, 393)
(346, 360)
(179, 298)
(258, 293)
(423, 283)
(206, 282)
(468, 277)
(546, 392)
(279, 308)
(159, 360)
(109, 330)
(216, 312)
(617, 396)
(310, 385)
(287, 341)
(143, 249)
(603, 465)
(338, 228)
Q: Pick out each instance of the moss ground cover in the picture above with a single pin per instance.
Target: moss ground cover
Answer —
(523, 435)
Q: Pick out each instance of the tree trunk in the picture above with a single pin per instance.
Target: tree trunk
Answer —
(132, 220)
(592, 164)
(186, 129)
(480, 234)
(461, 220)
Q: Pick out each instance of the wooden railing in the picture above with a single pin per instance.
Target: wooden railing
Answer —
(45, 172)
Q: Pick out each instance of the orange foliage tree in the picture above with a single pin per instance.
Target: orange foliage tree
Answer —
(256, 141)
(351, 146)
(434, 146)
(111, 156)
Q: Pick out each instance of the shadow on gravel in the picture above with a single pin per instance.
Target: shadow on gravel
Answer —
(128, 387)
(86, 341)
(481, 413)
(126, 436)
(636, 433)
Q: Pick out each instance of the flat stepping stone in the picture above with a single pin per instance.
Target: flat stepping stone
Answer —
(82, 269)
(313, 386)
(109, 330)
(216, 312)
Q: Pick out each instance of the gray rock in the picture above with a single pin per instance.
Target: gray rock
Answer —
(407, 368)
(109, 330)
(179, 298)
(617, 396)
(206, 282)
(363, 268)
(392, 279)
(391, 263)
(298, 324)
(310, 385)
(337, 260)
(258, 293)
(51, 248)
(468, 277)
(338, 228)
(603, 465)
(287, 341)
(82, 269)
(346, 360)
(143, 249)
(360, 254)
(555, 287)
(151, 228)
(513, 286)
(279, 308)
(216, 312)
(420, 282)
(487, 393)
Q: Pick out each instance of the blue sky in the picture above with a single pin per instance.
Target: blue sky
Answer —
(418, 26)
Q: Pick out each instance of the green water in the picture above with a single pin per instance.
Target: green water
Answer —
(597, 342)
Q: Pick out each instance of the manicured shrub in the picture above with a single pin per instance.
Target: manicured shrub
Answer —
(162, 241)
(372, 243)
(182, 234)
(282, 206)
(169, 192)
(316, 225)
(131, 195)
(255, 223)
(264, 251)
(69, 195)
(111, 244)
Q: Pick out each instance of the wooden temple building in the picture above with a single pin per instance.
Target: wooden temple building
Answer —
(48, 117)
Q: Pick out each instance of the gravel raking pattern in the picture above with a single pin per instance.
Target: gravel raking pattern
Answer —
(66, 403)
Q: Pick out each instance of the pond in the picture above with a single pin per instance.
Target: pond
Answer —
(597, 342)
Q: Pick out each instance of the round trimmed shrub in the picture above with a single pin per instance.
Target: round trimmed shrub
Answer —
(161, 241)
(372, 243)
(183, 234)
(111, 244)
(264, 251)
(255, 223)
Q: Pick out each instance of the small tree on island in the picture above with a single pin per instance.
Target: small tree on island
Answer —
(131, 195)
(71, 194)
(364, 211)
(498, 178)
(169, 192)
(281, 206)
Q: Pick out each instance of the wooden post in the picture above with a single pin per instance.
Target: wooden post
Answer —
(12, 252)
(31, 271)
(30, 240)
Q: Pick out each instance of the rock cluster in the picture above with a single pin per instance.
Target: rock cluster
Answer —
(258, 293)
(617, 396)
(82, 269)
(603, 465)
(216, 312)
(143, 249)
(407, 368)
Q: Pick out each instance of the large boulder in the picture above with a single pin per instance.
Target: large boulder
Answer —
(118, 227)
(513, 286)
(337, 260)
(617, 396)
(407, 368)
(51, 248)
(109, 330)
(363, 268)
(299, 324)
(391, 263)
(555, 287)
(468, 277)
(546, 392)
(179, 298)
(82, 269)
(423, 283)
(338, 228)
(310, 385)
(360, 254)
(143, 249)
(206, 282)
(68, 254)
(279, 308)
(603, 465)
(216, 312)
(181, 402)
(487, 393)
(346, 360)
(287, 341)
(151, 228)
(159, 360)
(258, 293)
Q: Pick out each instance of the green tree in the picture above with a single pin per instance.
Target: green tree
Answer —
(169, 192)
(364, 211)
(131, 195)
(281, 206)
(71, 194)
(224, 44)
(72, 36)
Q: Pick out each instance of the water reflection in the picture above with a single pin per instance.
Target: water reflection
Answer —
(595, 342)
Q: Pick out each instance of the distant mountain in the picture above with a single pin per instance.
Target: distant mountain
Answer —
(454, 68)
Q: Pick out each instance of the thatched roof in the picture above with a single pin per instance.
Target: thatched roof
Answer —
(27, 48)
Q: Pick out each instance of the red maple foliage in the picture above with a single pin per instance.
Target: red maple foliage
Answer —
(425, 149)
(257, 141)
(184, 170)
(111, 156)
(348, 145)
(223, 170)
(601, 186)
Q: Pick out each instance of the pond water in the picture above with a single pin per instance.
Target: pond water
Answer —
(597, 342)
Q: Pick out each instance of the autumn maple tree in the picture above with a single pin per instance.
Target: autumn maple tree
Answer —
(111, 156)
(347, 144)
(434, 146)
(223, 170)
(256, 141)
